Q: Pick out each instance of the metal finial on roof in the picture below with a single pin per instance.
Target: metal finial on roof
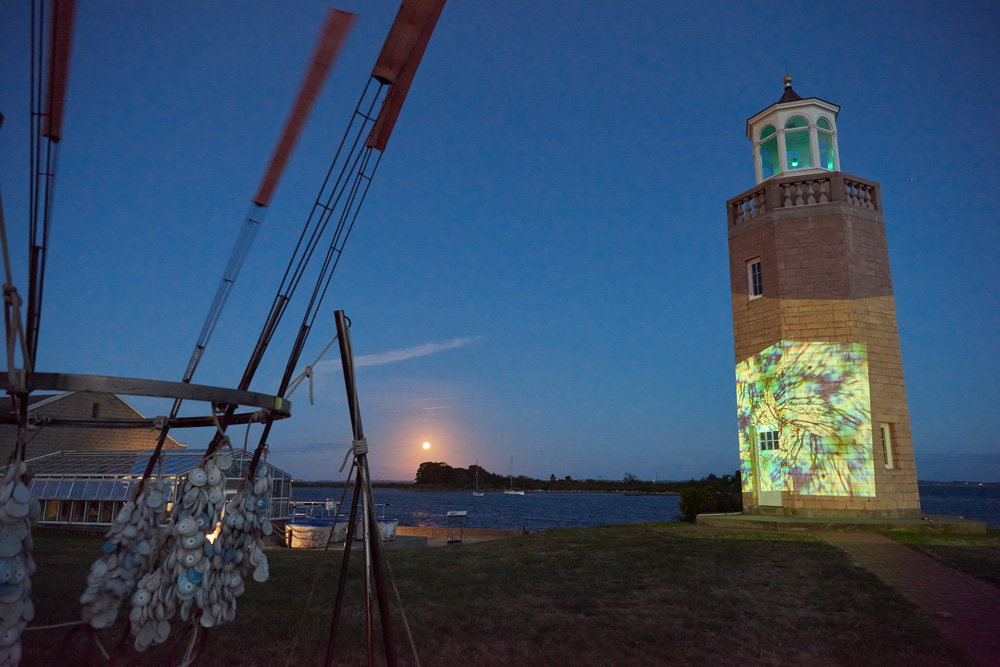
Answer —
(789, 95)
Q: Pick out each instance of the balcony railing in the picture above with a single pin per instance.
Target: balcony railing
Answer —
(794, 191)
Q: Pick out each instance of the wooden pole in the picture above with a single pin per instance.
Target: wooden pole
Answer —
(364, 481)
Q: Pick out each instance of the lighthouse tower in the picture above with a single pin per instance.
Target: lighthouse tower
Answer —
(824, 428)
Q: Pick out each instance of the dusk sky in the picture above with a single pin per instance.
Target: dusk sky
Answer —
(540, 270)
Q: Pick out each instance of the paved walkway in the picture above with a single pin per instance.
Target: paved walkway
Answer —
(966, 609)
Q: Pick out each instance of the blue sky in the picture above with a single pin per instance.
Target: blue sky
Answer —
(540, 269)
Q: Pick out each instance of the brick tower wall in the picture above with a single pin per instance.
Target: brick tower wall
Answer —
(826, 278)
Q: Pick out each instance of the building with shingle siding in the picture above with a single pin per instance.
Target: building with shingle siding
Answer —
(81, 405)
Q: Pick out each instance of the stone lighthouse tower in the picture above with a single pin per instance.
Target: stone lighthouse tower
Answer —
(824, 428)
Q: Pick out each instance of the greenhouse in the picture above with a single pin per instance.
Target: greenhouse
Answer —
(90, 487)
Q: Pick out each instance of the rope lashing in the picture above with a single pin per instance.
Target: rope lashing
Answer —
(260, 416)
(36, 422)
(358, 448)
(15, 331)
(159, 423)
(224, 442)
(307, 374)
(11, 296)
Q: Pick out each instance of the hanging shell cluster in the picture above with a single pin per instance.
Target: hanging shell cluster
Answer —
(239, 548)
(177, 583)
(18, 513)
(131, 540)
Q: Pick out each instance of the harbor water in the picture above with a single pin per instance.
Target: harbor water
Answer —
(542, 511)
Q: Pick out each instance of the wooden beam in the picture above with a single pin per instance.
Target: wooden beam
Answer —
(407, 32)
(59, 43)
(338, 25)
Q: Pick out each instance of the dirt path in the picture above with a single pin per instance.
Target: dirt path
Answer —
(966, 609)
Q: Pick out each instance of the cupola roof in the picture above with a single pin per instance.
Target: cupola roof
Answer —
(789, 95)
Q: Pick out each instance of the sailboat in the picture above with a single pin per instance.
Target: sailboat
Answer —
(510, 490)
(476, 492)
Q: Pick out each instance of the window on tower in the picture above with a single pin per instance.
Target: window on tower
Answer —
(755, 281)
(798, 153)
(824, 136)
(768, 440)
(886, 430)
(769, 164)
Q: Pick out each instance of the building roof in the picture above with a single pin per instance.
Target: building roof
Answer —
(120, 463)
(34, 400)
(117, 463)
(789, 95)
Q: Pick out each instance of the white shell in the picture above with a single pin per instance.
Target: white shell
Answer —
(224, 461)
(104, 619)
(125, 513)
(21, 493)
(9, 546)
(193, 541)
(155, 499)
(198, 477)
(12, 610)
(186, 526)
(214, 474)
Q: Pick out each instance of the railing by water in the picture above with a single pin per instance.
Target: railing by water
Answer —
(794, 191)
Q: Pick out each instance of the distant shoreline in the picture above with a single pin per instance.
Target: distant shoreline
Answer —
(434, 488)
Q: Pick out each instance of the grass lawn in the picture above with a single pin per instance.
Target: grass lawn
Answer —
(649, 594)
(977, 555)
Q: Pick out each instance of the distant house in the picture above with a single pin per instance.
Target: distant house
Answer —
(84, 475)
(80, 405)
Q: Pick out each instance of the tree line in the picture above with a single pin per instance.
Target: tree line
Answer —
(710, 494)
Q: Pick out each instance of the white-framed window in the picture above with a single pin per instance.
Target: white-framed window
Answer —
(769, 163)
(768, 440)
(886, 444)
(796, 139)
(755, 281)
(798, 153)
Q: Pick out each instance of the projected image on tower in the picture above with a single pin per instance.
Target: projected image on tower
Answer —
(805, 420)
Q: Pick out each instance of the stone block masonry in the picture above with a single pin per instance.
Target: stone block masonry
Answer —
(826, 278)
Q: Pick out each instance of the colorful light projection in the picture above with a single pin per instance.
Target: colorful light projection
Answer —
(816, 399)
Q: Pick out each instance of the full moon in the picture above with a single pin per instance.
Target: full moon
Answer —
(427, 445)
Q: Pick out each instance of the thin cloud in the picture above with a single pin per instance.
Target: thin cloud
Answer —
(393, 356)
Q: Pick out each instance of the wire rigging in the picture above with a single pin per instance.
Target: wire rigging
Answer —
(338, 24)
(48, 87)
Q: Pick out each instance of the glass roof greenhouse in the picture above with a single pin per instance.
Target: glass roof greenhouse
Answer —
(90, 487)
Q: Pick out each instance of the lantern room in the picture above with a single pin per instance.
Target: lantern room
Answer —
(794, 136)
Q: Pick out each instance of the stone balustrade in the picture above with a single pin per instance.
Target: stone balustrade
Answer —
(793, 191)
(747, 206)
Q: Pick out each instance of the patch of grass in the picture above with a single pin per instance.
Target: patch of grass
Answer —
(990, 539)
(976, 555)
(710, 533)
(616, 595)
